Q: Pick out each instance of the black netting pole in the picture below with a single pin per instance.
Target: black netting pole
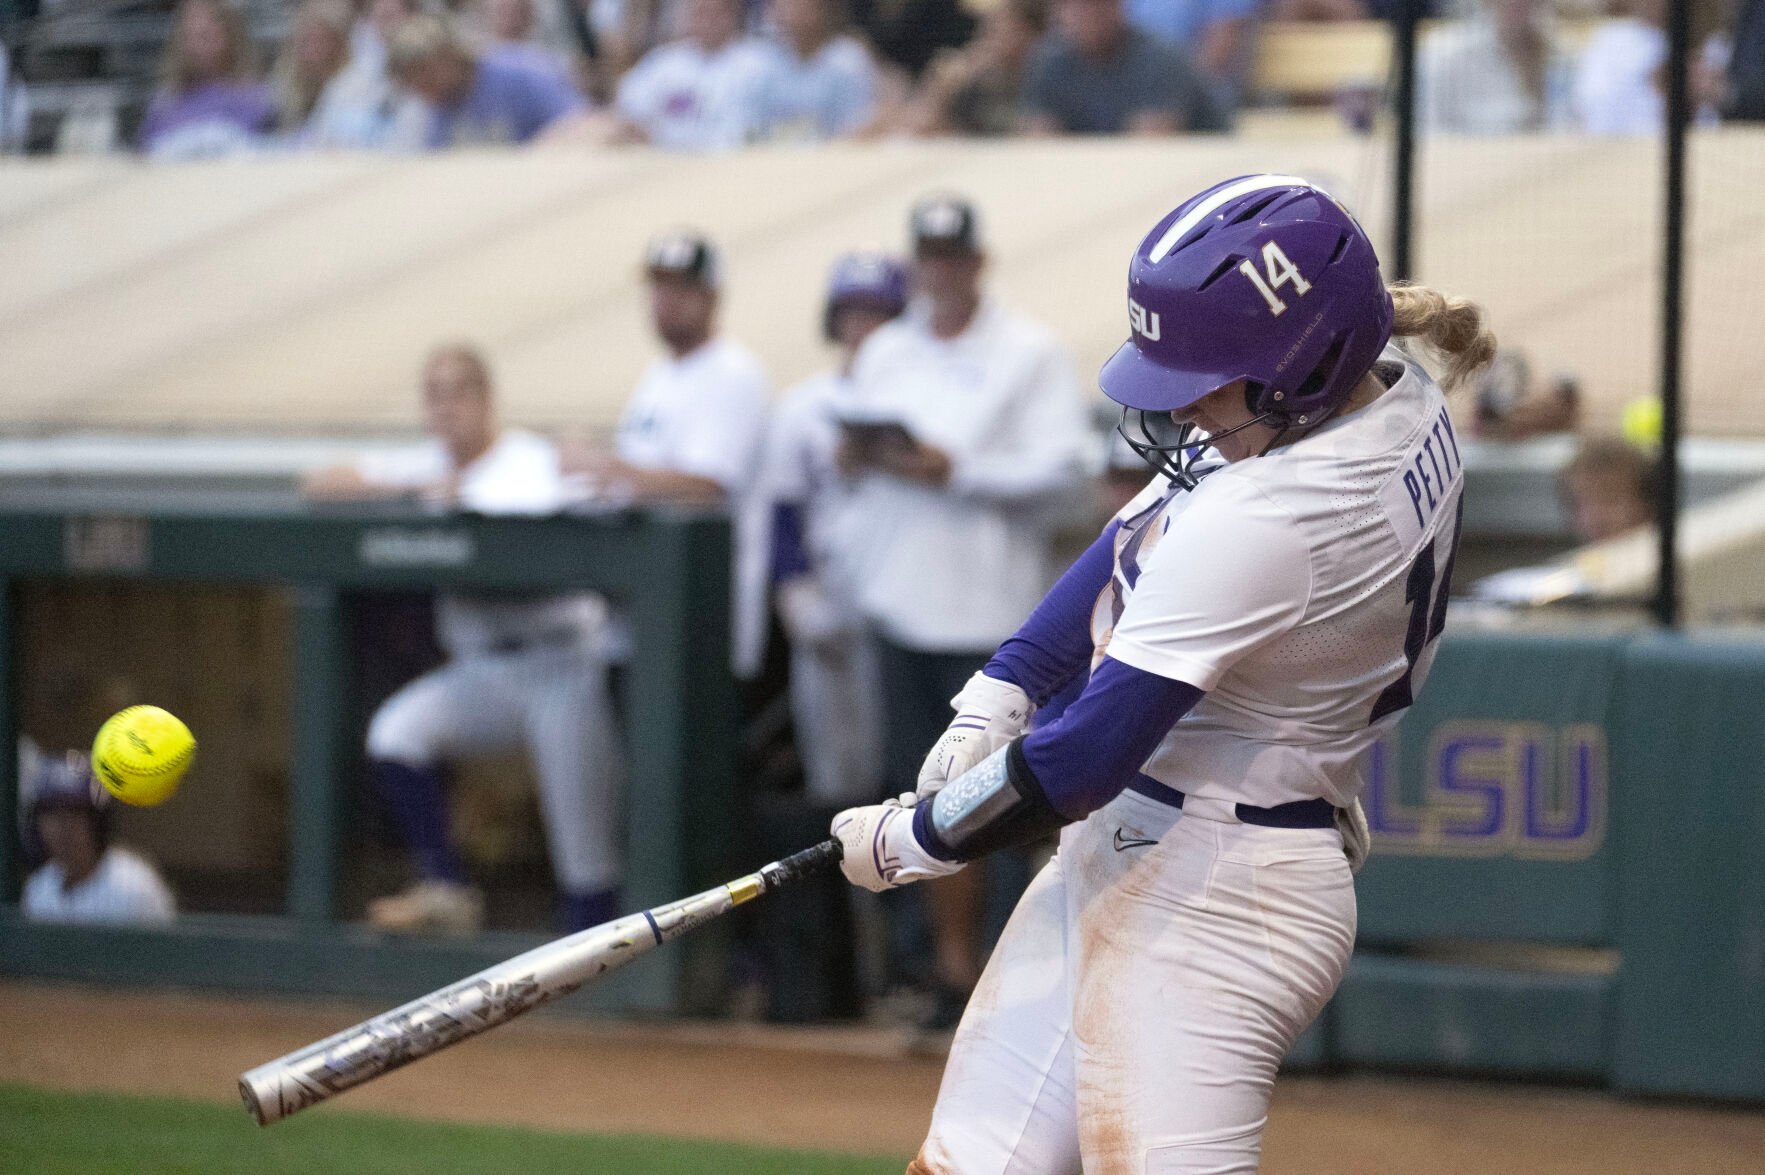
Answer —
(1404, 169)
(1679, 113)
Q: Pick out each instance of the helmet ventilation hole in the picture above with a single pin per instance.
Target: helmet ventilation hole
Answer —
(1221, 270)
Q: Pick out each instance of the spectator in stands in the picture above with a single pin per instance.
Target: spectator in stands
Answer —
(700, 93)
(965, 423)
(520, 671)
(511, 35)
(1617, 88)
(818, 82)
(978, 89)
(83, 877)
(361, 107)
(315, 51)
(1609, 487)
(1746, 64)
(1096, 74)
(208, 102)
(1499, 72)
(907, 34)
(473, 99)
(695, 424)
(1216, 35)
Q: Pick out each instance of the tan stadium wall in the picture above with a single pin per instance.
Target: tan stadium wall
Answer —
(298, 293)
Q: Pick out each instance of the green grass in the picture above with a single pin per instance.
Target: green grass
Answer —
(47, 1133)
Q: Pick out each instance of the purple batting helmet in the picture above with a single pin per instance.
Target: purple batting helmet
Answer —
(1264, 278)
(866, 278)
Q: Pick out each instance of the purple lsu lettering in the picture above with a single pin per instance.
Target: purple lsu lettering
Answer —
(1439, 456)
(1517, 789)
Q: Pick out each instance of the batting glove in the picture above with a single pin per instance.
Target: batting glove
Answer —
(989, 714)
(881, 851)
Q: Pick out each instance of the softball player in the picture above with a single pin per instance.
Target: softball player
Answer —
(521, 671)
(1248, 626)
(834, 701)
(83, 878)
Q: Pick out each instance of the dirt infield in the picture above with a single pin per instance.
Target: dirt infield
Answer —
(826, 1090)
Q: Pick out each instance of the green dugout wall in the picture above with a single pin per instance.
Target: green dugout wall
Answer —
(1569, 869)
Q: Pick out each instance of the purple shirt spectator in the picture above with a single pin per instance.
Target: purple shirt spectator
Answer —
(214, 118)
(507, 103)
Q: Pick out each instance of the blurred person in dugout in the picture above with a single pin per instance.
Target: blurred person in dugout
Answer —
(693, 430)
(963, 430)
(815, 535)
(475, 98)
(80, 876)
(1610, 487)
(521, 670)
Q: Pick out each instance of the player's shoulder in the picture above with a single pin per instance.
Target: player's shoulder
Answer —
(524, 443)
(127, 869)
(1011, 327)
(732, 360)
(814, 394)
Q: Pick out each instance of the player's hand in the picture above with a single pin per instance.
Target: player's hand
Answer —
(881, 851)
(989, 714)
(809, 617)
(922, 463)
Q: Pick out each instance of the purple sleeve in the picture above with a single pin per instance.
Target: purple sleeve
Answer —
(790, 556)
(1054, 645)
(1093, 751)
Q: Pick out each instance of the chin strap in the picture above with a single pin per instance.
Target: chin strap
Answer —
(996, 805)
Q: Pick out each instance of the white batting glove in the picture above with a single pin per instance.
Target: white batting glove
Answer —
(989, 714)
(881, 851)
(1357, 838)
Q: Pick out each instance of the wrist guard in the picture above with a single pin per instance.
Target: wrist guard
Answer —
(996, 805)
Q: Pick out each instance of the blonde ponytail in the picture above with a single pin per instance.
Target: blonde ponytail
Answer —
(1453, 327)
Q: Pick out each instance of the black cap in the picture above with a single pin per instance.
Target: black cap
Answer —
(945, 222)
(684, 253)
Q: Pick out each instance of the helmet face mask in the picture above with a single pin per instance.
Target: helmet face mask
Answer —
(1263, 279)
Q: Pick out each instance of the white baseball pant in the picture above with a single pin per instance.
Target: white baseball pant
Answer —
(836, 707)
(1142, 996)
(554, 701)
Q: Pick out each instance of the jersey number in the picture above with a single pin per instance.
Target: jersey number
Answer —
(1281, 272)
(1427, 601)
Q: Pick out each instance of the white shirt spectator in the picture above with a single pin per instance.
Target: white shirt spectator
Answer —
(1470, 84)
(958, 567)
(826, 96)
(704, 414)
(1615, 90)
(686, 99)
(362, 110)
(122, 889)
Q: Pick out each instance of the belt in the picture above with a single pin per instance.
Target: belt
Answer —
(1318, 813)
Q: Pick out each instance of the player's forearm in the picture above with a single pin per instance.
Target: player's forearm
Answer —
(664, 485)
(1054, 645)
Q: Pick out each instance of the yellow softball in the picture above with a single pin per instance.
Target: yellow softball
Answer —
(141, 753)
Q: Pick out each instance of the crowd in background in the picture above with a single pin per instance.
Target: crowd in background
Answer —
(704, 75)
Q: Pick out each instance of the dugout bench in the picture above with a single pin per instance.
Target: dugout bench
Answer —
(668, 572)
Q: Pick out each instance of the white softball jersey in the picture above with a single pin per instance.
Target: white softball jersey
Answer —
(958, 567)
(704, 414)
(518, 475)
(1302, 590)
(123, 889)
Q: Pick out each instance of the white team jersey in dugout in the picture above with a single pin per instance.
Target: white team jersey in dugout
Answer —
(1303, 590)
